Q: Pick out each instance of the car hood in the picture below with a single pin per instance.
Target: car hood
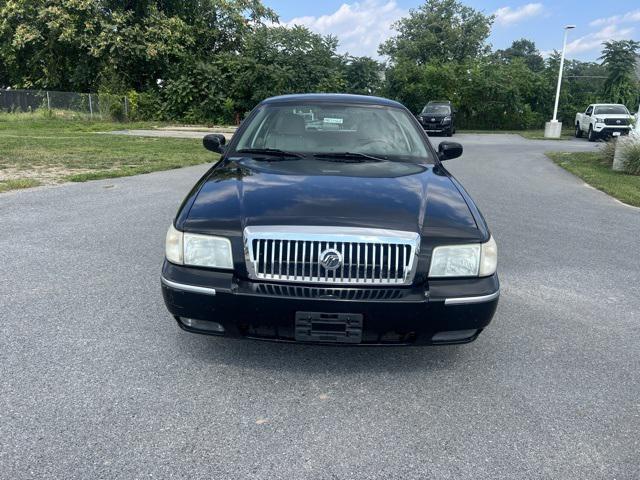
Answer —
(242, 192)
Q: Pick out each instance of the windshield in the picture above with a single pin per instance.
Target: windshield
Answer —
(612, 110)
(437, 110)
(378, 131)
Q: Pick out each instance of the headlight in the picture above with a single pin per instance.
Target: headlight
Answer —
(471, 260)
(207, 251)
(446, 120)
(455, 261)
(599, 120)
(198, 250)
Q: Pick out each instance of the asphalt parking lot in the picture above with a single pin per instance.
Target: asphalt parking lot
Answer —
(97, 381)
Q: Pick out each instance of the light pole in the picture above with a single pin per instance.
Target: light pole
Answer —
(553, 129)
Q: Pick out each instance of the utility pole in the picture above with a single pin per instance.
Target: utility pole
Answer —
(553, 129)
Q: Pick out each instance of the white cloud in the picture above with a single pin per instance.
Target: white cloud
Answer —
(615, 27)
(509, 16)
(629, 17)
(360, 26)
(593, 41)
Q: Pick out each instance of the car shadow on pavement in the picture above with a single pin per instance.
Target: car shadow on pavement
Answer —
(318, 359)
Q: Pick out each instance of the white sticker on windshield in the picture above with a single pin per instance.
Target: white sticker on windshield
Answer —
(333, 120)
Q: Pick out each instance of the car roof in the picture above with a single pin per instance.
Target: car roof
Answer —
(332, 98)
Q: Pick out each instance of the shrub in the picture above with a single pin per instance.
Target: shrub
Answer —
(631, 157)
(143, 106)
(198, 94)
(527, 118)
(607, 152)
(116, 112)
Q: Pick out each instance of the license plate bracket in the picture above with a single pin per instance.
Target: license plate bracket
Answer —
(328, 327)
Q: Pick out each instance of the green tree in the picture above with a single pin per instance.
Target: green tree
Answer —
(137, 51)
(272, 61)
(218, 26)
(280, 60)
(200, 92)
(428, 57)
(414, 85)
(620, 58)
(155, 36)
(584, 84)
(363, 75)
(47, 44)
(118, 45)
(526, 50)
(439, 30)
(495, 94)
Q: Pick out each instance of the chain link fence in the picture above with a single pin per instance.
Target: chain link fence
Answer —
(93, 105)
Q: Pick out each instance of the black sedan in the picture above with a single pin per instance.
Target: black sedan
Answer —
(331, 219)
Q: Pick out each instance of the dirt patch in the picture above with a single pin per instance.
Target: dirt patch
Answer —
(45, 175)
(200, 128)
(168, 133)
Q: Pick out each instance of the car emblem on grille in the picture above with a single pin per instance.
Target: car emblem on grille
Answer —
(618, 122)
(331, 259)
(433, 119)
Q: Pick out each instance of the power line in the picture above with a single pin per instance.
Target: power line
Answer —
(584, 76)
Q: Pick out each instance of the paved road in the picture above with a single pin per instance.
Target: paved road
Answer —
(98, 382)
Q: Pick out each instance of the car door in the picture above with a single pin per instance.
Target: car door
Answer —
(587, 121)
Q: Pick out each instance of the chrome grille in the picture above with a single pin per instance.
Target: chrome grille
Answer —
(293, 254)
(619, 122)
(300, 291)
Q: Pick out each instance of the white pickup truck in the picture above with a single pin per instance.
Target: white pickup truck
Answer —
(603, 120)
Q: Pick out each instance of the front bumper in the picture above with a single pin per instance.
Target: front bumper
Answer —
(267, 311)
(443, 130)
(607, 130)
(436, 128)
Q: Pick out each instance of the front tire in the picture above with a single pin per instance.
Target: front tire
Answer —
(592, 134)
(449, 133)
(578, 131)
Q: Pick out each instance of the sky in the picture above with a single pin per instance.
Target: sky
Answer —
(362, 25)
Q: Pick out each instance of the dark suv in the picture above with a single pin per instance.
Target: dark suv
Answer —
(438, 117)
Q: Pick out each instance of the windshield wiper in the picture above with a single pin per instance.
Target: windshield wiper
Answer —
(349, 157)
(271, 151)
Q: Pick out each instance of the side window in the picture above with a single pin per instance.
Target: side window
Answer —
(257, 130)
(589, 110)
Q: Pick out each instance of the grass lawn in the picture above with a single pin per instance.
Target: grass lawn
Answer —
(530, 134)
(15, 184)
(589, 167)
(35, 150)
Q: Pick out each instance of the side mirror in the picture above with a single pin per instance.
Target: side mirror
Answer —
(214, 142)
(449, 150)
